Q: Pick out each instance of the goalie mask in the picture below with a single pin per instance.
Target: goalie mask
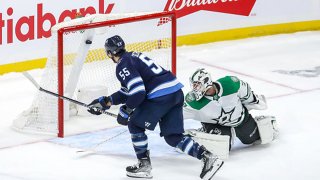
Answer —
(200, 82)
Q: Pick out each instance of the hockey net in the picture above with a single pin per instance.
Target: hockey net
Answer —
(78, 60)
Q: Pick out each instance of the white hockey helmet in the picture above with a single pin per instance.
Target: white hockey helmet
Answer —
(200, 82)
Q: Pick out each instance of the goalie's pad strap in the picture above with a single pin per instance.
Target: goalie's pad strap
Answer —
(266, 128)
(217, 144)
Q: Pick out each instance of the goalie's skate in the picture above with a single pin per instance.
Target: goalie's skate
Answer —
(140, 170)
(211, 164)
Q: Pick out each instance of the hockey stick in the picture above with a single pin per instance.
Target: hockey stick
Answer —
(28, 76)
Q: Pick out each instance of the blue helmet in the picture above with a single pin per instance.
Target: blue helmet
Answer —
(114, 45)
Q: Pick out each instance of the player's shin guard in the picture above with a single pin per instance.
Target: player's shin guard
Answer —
(190, 147)
(143, 168)
(140, 144)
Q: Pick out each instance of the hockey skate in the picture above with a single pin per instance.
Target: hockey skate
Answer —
(140, 170)
(211, 164)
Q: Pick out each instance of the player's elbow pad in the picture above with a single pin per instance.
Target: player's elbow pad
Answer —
(118, 98)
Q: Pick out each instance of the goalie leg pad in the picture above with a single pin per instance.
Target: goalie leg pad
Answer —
(217, 144)
(267, 128)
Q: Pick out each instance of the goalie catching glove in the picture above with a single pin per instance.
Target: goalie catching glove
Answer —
(102, 103)
(124, 114)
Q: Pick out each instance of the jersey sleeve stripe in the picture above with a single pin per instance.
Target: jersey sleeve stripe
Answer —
(134, 81)
(165, 85)
(165, 89)
(137, 89)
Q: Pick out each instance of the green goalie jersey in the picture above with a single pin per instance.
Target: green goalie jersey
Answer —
(226, 106)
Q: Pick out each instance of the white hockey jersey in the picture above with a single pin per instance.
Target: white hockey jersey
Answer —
(226, 106)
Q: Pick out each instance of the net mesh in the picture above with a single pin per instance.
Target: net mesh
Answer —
(86, 65)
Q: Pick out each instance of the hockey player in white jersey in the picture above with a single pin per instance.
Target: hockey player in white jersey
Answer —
(223, 108)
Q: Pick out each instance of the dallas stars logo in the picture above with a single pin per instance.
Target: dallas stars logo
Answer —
(225, 117)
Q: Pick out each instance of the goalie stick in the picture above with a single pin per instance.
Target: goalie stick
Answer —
(28, 76)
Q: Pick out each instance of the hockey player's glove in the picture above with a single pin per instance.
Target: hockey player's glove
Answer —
(99, 104)
(124, 114)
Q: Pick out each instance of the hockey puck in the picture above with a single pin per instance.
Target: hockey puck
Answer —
(88, 41)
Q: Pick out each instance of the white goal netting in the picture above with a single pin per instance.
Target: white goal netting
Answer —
(86, 65)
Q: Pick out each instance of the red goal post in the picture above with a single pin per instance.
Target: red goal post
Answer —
(70, 62)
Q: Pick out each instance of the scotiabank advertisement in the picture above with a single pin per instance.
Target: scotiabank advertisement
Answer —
(25, 25)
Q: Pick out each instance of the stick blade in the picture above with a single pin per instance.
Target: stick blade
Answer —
(31, 79)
